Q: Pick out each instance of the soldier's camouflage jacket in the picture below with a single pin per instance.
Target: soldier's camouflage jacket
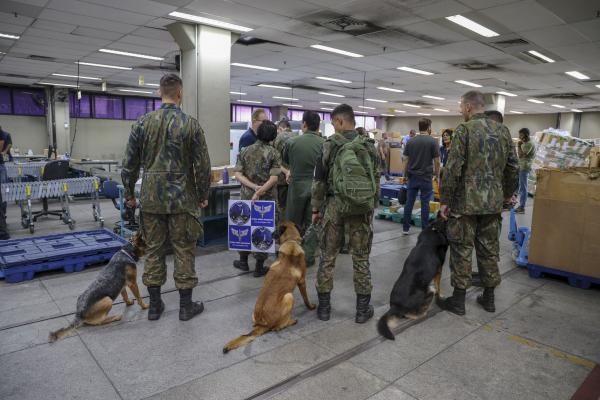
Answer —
(258, 162)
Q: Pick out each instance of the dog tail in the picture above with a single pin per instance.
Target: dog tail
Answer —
(383, 326)
(64, 332)
(245, 339)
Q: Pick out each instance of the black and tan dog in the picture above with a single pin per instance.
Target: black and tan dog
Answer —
(95, 303)
(273, 309)
(412, 294)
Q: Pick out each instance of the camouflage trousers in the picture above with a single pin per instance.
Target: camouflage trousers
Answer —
(361, 238)
(179, 232)
(479, 231)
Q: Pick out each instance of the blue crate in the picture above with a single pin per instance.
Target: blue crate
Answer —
(579, 281)
(20, 259)
(390, 190)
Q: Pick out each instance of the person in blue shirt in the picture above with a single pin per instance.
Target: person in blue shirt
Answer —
(249, 137)
(445, 148)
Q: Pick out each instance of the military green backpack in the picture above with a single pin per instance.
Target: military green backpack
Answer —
(354, 177)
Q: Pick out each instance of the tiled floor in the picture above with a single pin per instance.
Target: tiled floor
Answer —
(541, 343)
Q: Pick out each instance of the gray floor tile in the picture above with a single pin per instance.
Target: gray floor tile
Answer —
(26, 336)
(15, 295)
(391, 393)
(28, 313)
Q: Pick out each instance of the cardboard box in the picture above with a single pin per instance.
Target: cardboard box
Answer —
(595, 157)
(396, 135)
(396, 161)
(565, 231)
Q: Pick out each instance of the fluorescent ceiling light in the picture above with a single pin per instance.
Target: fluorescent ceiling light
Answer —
(57, 84)
(462, 82)
(387, 115)
(360, 112)
(250, 101)
(424, 114)
(535, 101)
(239, 93)
(367, 108)
(291, 105)
(411, 105)
(126, 53)
(575, 110)
(152, 84)
(254, 67)
(326, 109)
(415, 70)
(598, 86)
(507, 94)
(331, 94)
(325, 78)
(274, 86)
(9, 36)
(472, 26)
(441, 109)
(103, 65)
(539, 55)
(334, 50)
(577, 74)
(516, 112)
(433, 97)
(390, 90)
(399, 111)
(285, 98)
(80, 77)
(209, 21)
(377, 100)
(135, 91)
(330, 102)
(557, 106)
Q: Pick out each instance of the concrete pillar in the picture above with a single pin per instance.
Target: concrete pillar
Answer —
(205, 71)
(59, 117)
(278, 112)
(496, 102)
(570, 122)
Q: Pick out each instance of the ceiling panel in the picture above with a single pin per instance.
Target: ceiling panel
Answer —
(93, 43)
(561, 35)
(21, 9)
(523, 15)
(39, 3)
(154, 33)
(146, 7)
(97, 11)
(274, 35)
(572, 10)
(237, 13)
(14, 29)
(97, 33)
(481, 4)
(440, 9)
(384, 13)
(54, 26)
(89, 22)
(20, 20)
(590, 29)
(287, 8)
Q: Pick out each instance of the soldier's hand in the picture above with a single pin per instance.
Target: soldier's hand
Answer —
(288, 177)
(256, 196)
(257, 188)
(203, 204)
(444, 211)
(131, 202)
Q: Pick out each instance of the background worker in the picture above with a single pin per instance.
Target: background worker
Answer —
(526, 153)
(171, 147)
(445, 147)
(249, 137)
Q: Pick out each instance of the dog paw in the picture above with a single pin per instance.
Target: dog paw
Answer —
(129, 303)
(311, 306)
(144, 306)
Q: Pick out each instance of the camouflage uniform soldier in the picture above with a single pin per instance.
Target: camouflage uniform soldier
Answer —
(257, 169)
(284, 134)
(171, 148)
(301, 155)
(359, 226)
(480, 173)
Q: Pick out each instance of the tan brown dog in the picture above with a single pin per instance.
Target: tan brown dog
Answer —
(95, 303)
(273, 309)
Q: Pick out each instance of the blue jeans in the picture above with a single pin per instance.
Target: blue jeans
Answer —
(523, 188)
(416, 183)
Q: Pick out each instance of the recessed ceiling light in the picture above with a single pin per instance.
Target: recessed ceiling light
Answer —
(390, 90)
(507, 94)
(254, 67)
(557, 106)
(135, 91)
(516, 112)
(334, 50)
(367, 108)
(209, 21)
(433, 97)
(239, 93)
(360, 112)
(152, 84)
(326, 109)
(411, 105)
(291, 105)
(424, 114)
(598, 86)
(57, 84)
(103, 65)
(330, 102)
(387, 115)
(285, 98)
(377, 100)
(462, 82)
(126, 53)
(472, 26)
(331, 94)
(325, 78)
(9, 36)
(539, 55)
(441, 109)
(399, 111)
(415, 70)
(250, 101)
(576, 110)
(535, 101)
(274, 86)
(80, 77)
(577, 74)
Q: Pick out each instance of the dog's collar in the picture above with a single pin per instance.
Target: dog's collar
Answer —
(125, 250)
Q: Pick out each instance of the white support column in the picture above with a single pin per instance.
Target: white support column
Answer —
(61, 120)
(496, 102)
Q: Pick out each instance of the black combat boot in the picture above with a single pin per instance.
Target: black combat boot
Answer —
(364, 311)
(486, 300)
(242, 263)
(260, 269)
(157, 306)
(455, 303)
(188, 309)
(324, 308)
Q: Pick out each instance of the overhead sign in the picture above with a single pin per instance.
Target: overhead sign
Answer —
(251, 226)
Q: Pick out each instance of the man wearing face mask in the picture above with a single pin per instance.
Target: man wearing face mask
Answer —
(171, 148)
(480, 174)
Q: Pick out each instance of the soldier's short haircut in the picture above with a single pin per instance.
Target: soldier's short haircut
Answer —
(257, 112)
(267, 131)
(362, 131)
(474, 97)
(345, 112)
(312, 120)
(284, 124)
(169, 84)
(424, 124)
(495, 116)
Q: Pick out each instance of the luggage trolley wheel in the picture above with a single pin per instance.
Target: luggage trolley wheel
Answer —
(101, 222)
(25, 221)
(71, 224)
(31, 227)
